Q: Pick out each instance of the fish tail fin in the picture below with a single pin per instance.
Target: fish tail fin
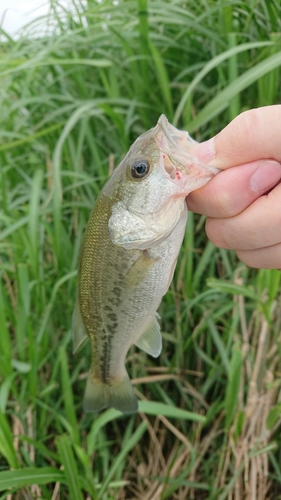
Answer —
(117, 394)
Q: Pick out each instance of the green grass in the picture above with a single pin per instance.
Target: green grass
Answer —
(71, 104)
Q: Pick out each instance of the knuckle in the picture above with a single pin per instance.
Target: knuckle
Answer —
(224, 202)
(247, 121)
(248, 258)
(215, 230)
(246, 124)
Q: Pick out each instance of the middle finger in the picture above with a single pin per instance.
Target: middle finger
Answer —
(258, 226)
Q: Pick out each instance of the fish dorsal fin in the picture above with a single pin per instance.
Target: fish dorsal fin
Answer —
(151, 340)
(79, 334)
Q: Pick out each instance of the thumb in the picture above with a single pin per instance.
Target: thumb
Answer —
(233, 190)
(252, 135)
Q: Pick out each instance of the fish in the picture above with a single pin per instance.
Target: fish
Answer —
(128, 256)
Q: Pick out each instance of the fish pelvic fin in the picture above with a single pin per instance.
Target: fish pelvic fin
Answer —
(79, 334)
(116, 394)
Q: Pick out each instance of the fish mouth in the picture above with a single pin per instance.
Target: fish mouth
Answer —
(178, 163)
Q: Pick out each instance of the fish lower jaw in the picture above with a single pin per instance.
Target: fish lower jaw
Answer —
(195, 182)
(188, 178)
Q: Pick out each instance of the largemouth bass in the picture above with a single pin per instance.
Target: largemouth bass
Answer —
(128, 257)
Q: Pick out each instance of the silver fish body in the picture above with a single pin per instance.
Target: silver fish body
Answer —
(128, 256)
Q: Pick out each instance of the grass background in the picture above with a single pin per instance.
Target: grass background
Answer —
(72, 102)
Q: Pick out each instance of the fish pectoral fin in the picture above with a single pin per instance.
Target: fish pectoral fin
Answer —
(79, 334)
(139, 270)
(151, 340)
(116, 394)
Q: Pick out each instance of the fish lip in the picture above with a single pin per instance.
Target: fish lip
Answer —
(164, 124)
(179, 158)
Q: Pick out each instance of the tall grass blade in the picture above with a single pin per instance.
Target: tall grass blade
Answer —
(5, 341)
(28, 476)
(34, 212)
(70, 467)
(154, 408)
(131, 443)
(67, 396)
(162, 79)
(233, 385)
(233, 73)
(6, 442)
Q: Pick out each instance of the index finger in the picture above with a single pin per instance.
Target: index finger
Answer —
(233, 190)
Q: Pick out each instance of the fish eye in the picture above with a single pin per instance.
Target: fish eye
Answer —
(140, 168)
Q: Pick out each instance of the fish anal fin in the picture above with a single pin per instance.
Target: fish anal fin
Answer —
(150, 340)
(116, 394)
(79, 334)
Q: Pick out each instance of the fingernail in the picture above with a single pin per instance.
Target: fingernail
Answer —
(266, 176)
(205, 151)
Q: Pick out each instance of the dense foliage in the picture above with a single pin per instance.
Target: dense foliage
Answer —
(72, 101)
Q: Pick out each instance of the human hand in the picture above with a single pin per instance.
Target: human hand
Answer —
(243, 203)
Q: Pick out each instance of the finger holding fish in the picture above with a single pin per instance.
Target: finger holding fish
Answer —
(235, 189)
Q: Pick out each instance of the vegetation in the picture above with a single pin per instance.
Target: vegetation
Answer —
(72, 101)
